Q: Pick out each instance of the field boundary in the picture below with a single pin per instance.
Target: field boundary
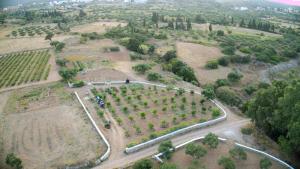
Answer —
(107, 153)
(40, 49)
(172, 134)
(157, 156)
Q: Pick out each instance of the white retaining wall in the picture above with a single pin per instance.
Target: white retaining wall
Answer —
(107, 153)
(265, 154)
(172, 134)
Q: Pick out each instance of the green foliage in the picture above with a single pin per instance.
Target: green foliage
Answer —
(152, 76)
(223, 61)
(212, 64)
(168, 166)
(61, 62)
(143, 164)
(167, 57)
(49, 36)
(166, 148)
(141, 68)
(211, 140)
(58, 45)
(13, 161)
(265, 163)
(238, 153)
(226, 162)
(67, 74)
(216, 112)
(220, 33)
(275, 110)
(209, 92)
(250, 89)
(228, 96)
(196, 151)
(234, 76)
(78, 83)
(221, 82)
(247, 131)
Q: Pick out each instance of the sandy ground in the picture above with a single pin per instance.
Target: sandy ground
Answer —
(205, 27)
(196, 56)
(99, 27)
(101, 75)
(210, 160)
(21, 44)
(50, 135)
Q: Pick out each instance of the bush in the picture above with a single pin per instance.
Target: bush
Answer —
(228, 96)
(247, 131)
(240, 59)
(61, 62)
(13, 161)
(211, 140)
(169, 56)
(212, 64)
(165, 148)
(265, 163)
(226, 162)
(220, 33)
(250, 89)
(143, 164)
(135, 56)
(215, 112)
(79, 83)
(229, 50)
(234, 76)
(153, 76)
(141, 68)
(67, 74)
(223, 61)
(183, 70)
(221, 82)
(238, 153)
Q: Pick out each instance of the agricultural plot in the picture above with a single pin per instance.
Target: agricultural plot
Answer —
(33, 31)
(146, 112)
(99, 27)
(210, 160)
(47, 128)
(24, 67)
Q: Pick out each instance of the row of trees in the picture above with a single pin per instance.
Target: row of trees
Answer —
(180, 23)
(264, 26)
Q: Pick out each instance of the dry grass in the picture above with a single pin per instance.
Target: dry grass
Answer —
(99, 27)
(196, 56)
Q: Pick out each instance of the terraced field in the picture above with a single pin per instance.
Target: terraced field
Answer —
(24, 67)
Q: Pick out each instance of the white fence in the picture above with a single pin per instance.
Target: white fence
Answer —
(107, 153)
(172, 134)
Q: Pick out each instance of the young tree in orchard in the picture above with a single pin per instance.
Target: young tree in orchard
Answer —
(196, 151)
(168, 166)
(226, 162)
(166, 148)
(265, 163)
(211, 140)
(143, 164)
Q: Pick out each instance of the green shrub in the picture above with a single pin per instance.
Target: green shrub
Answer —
(141, 68)
(152, 76)
(223, 61)
(234, 76)
(78, 83)
(247, 130)
(228, 96)
(212, 64)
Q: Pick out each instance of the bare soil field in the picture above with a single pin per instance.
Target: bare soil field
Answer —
(21, 44)
(47, 128)
(196, 56)
(210, 160)
(99, 27)
(104, 74)
(145, 112)
(205, 27)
